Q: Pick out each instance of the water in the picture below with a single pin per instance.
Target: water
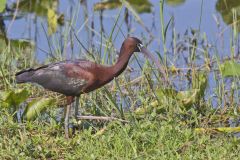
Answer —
(199, 15)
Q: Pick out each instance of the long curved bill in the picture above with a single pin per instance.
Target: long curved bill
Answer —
(151, 57)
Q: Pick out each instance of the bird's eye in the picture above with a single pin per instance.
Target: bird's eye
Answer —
(139, 45)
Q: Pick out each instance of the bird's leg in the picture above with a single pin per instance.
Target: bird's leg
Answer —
(66, 122)
(77, 106)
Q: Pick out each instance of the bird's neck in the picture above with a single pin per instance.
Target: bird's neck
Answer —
(118, 67)
(121, 64)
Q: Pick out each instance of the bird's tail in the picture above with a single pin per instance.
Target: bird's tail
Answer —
(24, 76)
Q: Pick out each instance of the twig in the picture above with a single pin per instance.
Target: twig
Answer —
(101, 118)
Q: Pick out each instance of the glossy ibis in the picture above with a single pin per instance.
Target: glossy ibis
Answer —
(75, 77)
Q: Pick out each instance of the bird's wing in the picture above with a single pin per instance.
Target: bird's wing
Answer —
(66, 77)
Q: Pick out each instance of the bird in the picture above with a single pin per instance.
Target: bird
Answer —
(75, 77)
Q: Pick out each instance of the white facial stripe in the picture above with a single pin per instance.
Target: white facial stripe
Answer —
(140, 46)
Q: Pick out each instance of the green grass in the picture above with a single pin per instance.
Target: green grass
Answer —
(147, 139)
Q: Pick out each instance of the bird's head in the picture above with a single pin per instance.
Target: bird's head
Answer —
(133, 44)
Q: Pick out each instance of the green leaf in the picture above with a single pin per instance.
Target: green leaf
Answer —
(220, 129)
(163, 93)
(192, 96)
(13, 97)
(199, 82)
(35, 107)
(166, 28)
(19, 96)
(175, 2)
(149, 108)
(2, 5)
(21, 43)
(110, 4)
(52, 21)
(227, 9)
(187, 98)
(143, 6)
(39, 8)
(3, 97)
(230, 69)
